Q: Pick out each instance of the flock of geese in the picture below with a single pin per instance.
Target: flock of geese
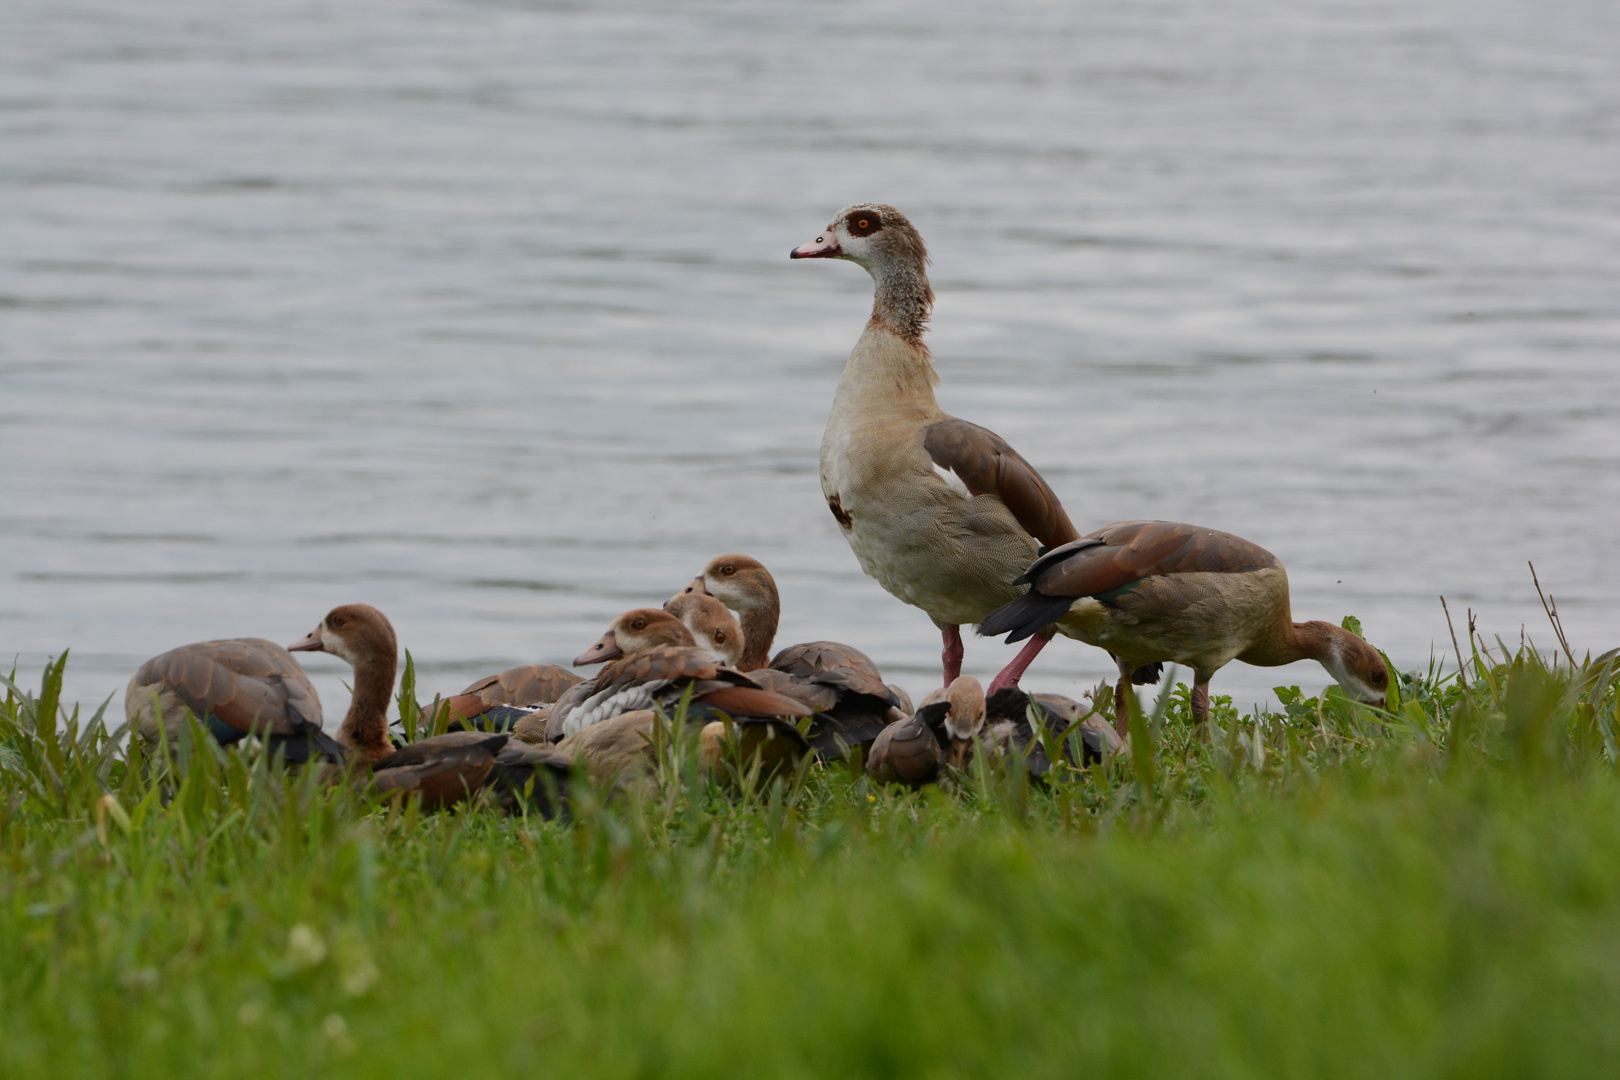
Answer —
(943, 513)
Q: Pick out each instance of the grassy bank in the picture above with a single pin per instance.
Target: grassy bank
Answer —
(1330, 891)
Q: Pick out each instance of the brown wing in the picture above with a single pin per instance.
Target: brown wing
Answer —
(989, 466)
(445, 769)
(659, 662)
(906, 753)
(812, 694)
(1118, 555)
(531, 684)
(811, 657)
(248, 683)
(445, 748)
(750, 701)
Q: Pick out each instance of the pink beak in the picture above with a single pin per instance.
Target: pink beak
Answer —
(822, 247)
(606, 648)
(310, 642)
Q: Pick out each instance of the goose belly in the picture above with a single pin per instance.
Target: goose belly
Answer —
(954, 557)
(1200, 620)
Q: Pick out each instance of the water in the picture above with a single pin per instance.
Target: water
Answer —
(482, 312)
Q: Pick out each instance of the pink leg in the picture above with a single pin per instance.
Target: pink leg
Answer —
(952, 655)
(1014, 671)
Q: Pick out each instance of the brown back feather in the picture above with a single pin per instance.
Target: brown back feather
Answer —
(248, 683)
(988, 465)
(1133, 550)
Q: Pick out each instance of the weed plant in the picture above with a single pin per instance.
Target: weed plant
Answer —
(1432, 889)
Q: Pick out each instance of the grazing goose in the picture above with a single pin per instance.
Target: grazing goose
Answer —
(840, 681)
(942, 512)
(913, 751)
(1155, 592)
(234, 688)
(445, 769)
(656, 662)
(956, 724)
(1007, 727)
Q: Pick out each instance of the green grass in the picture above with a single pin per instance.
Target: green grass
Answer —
(1329, 891)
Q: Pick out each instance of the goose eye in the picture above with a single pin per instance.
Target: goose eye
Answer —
(864, 224)
(728, 570)
(338, 620)
(719, 637)
(639, 624)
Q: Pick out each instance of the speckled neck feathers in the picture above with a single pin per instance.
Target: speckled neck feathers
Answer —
(902, 299)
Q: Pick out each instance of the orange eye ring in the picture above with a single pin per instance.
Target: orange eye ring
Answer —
(863, 224)
(639, 624)
(728, 569)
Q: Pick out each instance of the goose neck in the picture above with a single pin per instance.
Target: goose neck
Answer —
(365, 725)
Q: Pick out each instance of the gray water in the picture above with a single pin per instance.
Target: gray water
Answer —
(482, 312)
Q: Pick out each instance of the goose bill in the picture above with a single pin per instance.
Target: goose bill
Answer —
(824, 246)
(310, 642)
(606, 648)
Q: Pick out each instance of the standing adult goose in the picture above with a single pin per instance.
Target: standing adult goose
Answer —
(942, 512)
(1156, 592)
(853, 704)
(445, 769)
(234, 688)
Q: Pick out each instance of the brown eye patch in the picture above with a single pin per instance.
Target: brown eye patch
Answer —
(863, 222)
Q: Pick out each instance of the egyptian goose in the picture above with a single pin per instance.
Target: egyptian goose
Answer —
(497, 701)
(655, 663)
(1007, 727)
(233, 687)
(942, 512)
(840, 681)
(445, 769)
(954, 725)
(713, 627)
(1152, 592)
(913, 751)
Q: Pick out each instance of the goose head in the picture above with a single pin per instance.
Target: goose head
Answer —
(965, 717)
(635, 632)
(358, 633)
(1355, 665)
(871, 235)
(710, 623)
(737, 581)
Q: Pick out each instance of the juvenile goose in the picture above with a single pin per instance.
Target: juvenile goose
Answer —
(913, 751)
(1152, 592)
(838, 680)
(712, 626)
(446, 769)
(233, 687)
(1007, 727)
(942, 512)
(656, 662)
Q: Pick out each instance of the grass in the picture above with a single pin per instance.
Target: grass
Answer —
(1326, 891)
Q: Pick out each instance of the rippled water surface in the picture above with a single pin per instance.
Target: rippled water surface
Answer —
(481, 312)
